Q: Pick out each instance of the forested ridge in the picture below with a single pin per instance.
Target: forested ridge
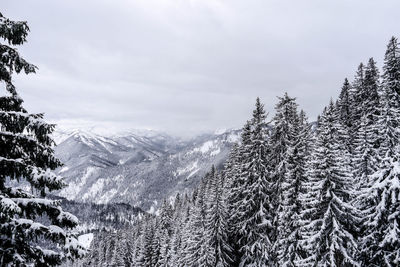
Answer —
(292, 193)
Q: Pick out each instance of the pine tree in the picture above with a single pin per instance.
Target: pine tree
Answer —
(186, 236)
(256, 225)
(26, 154)
(371, 104)
(146, 251)
(129, 248)
(357, 94)
(199, 252)
(117, 259)
(138, 238)
(216, 225)
(381, 240)
(156, 243)
(344, 107)
(282, 138)
(236, 178)
(165, 250)
(109, 249)
(366, 141)
(290, 250)
(390, 116)
(165, 216)
(177, 244)
(230, 171)
(331, 229)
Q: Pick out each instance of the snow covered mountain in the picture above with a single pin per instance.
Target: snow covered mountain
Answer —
(139, 168)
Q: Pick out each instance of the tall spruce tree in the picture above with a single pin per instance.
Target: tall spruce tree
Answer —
(344, 109)
(282, 138)
(290, 251)
(331, 228)
(185, 247)
(26, 155)
(165, 250)
(177, 227)
(216, 225)
(357, 94)
(199, 250)
(165, 232)
(366, 141)
(236, 179)
(255, 206)
(381, 239)
(146, 251)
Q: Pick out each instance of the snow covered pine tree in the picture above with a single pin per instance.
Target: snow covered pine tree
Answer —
(381, 245)
(26, 157)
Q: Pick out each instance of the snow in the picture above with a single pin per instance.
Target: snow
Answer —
(39, 201)
(193, 173)
(67, 216)
(233, 138)
(94, 189)
(59, 136)
(36, 226)
(56, 230)
(39, 175)
(86, 240)
(215, 152)
(97, 188)
(105, 198)
(64, 169)
(207, 146)
(24, 221)
(152, 210)
(118, 178)
(8, 204)
(220, 131)
(74, 188)
(190, 168)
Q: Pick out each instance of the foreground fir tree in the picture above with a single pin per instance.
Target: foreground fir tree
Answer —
(381, 242)
(290, 250)
(283, 138)
(255, 206)
(26, 155)
(331, 240)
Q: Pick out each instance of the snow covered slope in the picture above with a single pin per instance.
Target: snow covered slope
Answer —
(139, 168)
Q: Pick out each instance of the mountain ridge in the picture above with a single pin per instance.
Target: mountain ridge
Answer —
(140, 170)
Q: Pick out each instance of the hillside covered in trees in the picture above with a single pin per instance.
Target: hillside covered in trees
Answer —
(291, 193)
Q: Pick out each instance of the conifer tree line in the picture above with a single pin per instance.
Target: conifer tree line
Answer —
(292, 193)
(34, 230)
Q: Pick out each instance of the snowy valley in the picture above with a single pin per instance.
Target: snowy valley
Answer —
(138, 168)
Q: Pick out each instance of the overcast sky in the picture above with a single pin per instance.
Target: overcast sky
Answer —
(189, 66)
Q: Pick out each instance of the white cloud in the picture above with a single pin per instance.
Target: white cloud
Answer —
(189, 66)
